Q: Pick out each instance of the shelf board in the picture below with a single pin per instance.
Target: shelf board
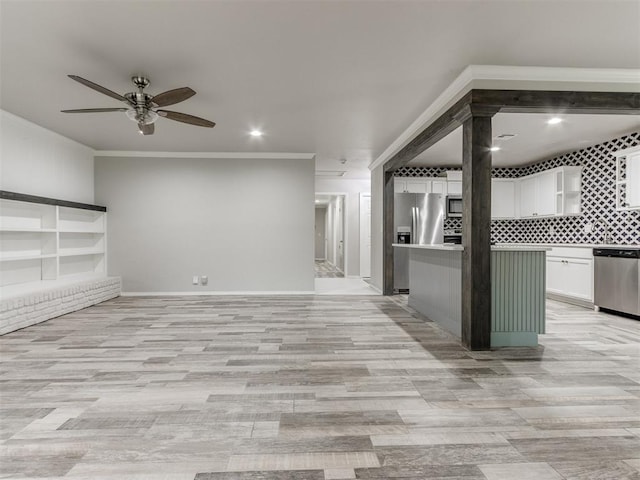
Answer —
(27, 230)
(15, 258)
(79, 252)
(75, 230)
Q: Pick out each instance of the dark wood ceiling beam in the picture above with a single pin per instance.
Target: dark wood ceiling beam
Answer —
(443, 126)
(543, 101)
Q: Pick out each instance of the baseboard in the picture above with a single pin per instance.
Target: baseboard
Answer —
(218, 294)
(572, 300)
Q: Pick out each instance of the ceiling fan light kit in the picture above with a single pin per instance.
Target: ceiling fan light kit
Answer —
(142, 107)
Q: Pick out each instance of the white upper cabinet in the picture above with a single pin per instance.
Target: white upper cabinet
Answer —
(503, 198)
(628, 179)
(554, 192)
(420, 185)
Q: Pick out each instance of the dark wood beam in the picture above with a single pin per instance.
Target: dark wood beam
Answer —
(544, 101)
(476, 229)
(443, 126)
(387, 234)
(24, 197)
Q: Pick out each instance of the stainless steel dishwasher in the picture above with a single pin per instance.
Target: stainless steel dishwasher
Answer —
(617, 279)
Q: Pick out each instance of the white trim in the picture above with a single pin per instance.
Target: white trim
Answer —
(609, 79)
(214, 293)
(362, 197)
(230, 155)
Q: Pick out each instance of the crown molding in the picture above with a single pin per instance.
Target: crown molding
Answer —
(516, 78)
(214, 155)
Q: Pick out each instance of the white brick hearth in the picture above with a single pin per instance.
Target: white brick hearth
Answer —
(29, 308)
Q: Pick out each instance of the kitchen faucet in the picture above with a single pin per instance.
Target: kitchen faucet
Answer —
(607, 235)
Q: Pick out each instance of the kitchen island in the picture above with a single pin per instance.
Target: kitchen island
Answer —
(517, 290)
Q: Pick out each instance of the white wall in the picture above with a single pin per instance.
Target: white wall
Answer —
(37, 161)
(246, 223)
(377, 185)
(353, 188)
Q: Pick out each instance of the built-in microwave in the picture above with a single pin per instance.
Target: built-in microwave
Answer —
(454, 206)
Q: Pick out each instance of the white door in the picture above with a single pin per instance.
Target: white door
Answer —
(555, 275)
(528, 197)
(503, 195)
(578, 278)
(365, 235)
(633, 180)
(418, 186)
(340, 233)
(321, 237)
(546, 194)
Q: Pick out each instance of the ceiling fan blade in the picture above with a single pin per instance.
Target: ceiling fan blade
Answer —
(147, 129)
(185, 118)
(98, 88)
(171, 97)
(94, 110)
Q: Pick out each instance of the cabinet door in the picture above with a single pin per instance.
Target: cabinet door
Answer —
(439, 186)
(555, 275)
(528, 197)
(633, 180)
(578, 278)
(503, 196)
(546, 194)
(454, 188)
(418, 186)
(399, 185)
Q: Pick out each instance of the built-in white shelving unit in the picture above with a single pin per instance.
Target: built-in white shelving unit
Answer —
(45, 242)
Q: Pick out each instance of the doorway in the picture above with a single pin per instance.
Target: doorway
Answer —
(330, 236)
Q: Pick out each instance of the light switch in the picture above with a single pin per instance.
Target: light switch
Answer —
(196, 280)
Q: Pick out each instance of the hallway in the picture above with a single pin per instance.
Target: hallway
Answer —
(325, 270)
(313, 387)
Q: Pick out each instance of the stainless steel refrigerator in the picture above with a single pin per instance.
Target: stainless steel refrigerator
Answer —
(417, 218)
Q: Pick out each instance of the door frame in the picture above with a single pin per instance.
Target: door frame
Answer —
(364, 195)
(345, 226)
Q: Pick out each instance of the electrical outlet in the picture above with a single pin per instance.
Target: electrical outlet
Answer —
(195, 280)
(204, 279)
(588, 228)
(552, 231)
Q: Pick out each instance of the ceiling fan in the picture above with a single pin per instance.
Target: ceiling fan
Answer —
(142, 108)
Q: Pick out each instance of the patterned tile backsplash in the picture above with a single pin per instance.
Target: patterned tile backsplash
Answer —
(598, 200)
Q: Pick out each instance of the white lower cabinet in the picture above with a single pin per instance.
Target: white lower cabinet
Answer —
(570, 273)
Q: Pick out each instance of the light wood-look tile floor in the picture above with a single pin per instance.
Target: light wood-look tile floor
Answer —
(213, 388)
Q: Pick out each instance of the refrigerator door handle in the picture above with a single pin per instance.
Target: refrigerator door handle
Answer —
(414, 224)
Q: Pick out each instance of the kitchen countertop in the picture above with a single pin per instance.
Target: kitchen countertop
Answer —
(573, 245)
(459, 248)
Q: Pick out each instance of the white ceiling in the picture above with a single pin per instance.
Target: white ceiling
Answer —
(341, 79)
(535, 139)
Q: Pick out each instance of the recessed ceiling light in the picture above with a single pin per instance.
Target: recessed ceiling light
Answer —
(255, 133)
(317, 201)
(554, 120)
(494, 149)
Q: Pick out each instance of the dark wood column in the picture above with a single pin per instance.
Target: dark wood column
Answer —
(387, 234)
(476, 232)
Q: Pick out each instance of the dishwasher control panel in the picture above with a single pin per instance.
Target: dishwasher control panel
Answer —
(617, 252)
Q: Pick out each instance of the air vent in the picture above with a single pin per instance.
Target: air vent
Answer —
(330, 173)
(505, 136)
